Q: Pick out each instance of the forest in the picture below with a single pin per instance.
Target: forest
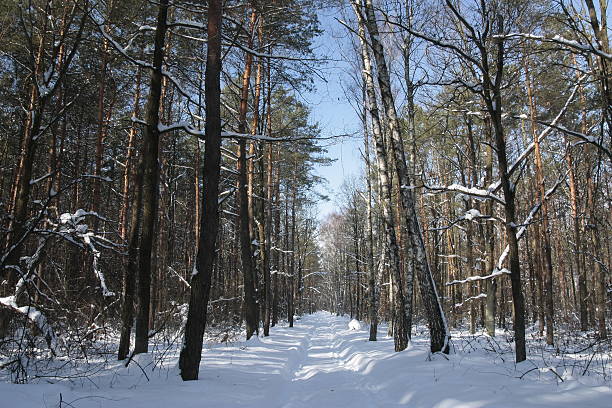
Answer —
(161, 181)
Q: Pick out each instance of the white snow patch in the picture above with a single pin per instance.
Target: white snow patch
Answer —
(354, 325)
(319, 363)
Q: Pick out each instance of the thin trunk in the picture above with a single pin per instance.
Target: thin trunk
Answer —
(101, 134)
(150, 183)
(599, 273)
(373, 305)
(130, 268)
(245, 214)
(291, 282)
(543, 237)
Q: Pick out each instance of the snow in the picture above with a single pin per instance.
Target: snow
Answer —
(562, 40)
(72, 224)
(470, 299)
(78, 216)
(354, 325)
(471, 214)
(497, 272)
(470, 191)
(320, 363)
(35, 316)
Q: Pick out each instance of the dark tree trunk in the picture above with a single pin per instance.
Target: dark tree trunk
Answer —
(251, 314)
(493, 100)
(131, 267)
(191, 353)
(150, 153)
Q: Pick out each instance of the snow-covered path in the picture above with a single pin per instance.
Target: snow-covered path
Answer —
(319, 363)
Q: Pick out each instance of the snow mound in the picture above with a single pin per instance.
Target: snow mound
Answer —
(354, 325)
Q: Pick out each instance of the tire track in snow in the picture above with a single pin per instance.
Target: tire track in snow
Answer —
(321, 378)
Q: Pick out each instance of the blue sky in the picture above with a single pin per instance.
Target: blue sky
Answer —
(333, 112)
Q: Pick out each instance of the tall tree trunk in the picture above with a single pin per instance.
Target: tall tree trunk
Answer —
(493, 100)
(248, 267)
(433, 308)
(150, 153)
(372, 289)
(599, 274)
(291, 281)
(472, 243)
(129, 269)
(544, 237)
(490, 309)
(262, 225)
(400, 330)
(191, 353)
(268, 222)
(580, 269)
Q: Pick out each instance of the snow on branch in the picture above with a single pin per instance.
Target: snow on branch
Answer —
(585, 138)
(72, 224)
(471, 298)
(496, 272)
(222, 299)
(201, 134)
(275, 272)
(318, 273)
(470, 215)
(188, 24)
(42, 178)
(36, 317)
(161, 128)
(499, 270)
(171, 269)
(469, 191)
(87, 238)
(225, 195)
(549, 128)
(557, 39)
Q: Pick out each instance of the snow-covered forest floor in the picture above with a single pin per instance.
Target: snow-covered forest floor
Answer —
(321, 363)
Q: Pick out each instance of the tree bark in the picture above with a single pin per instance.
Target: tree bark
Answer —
(543, 237)
(268, 318)
(493, 100)
(372, 288)
(150, 183)
(433, 309)
(191, 353)
(400, 331)
(251, 314)
(130, 268)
